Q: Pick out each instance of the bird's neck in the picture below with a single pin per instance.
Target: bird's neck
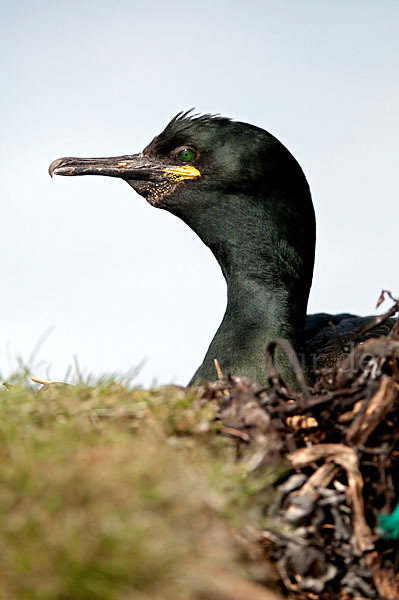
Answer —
(266, 252)
(254, 316)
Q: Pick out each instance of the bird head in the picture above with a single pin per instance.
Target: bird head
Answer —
(233, 183)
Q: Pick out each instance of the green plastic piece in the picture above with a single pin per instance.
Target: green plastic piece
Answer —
(390, 524)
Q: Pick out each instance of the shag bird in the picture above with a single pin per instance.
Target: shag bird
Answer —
(247, 198)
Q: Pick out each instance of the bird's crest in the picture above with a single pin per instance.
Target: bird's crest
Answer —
(182, 125)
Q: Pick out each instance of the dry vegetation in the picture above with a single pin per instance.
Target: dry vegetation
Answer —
(111, 493)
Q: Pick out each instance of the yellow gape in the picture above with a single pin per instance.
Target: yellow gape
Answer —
(183, 172)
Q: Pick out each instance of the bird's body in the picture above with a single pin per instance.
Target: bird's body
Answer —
(247, 198)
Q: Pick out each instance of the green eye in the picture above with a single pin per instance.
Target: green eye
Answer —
(186, 155)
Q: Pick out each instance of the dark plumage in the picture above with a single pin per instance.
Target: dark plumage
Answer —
(247, 198)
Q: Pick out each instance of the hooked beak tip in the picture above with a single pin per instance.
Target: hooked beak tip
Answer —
(54, 165)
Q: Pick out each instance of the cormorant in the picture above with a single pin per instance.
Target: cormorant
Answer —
(247, 198)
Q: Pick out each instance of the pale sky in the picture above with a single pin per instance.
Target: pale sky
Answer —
(114, 281)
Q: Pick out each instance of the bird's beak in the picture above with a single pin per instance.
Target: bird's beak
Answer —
(136, 167)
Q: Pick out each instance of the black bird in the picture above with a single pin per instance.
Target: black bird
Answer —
(246, 197)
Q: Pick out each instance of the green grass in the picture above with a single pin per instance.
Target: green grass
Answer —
(110, 493)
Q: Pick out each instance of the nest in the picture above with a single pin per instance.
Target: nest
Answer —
(329, 535)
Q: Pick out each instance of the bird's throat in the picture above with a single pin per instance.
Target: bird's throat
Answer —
(254, 316)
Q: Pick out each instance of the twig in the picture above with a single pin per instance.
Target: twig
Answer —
(377, 408)
(293, 360)
(346, 458)
(218, 369)
(381, 318)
